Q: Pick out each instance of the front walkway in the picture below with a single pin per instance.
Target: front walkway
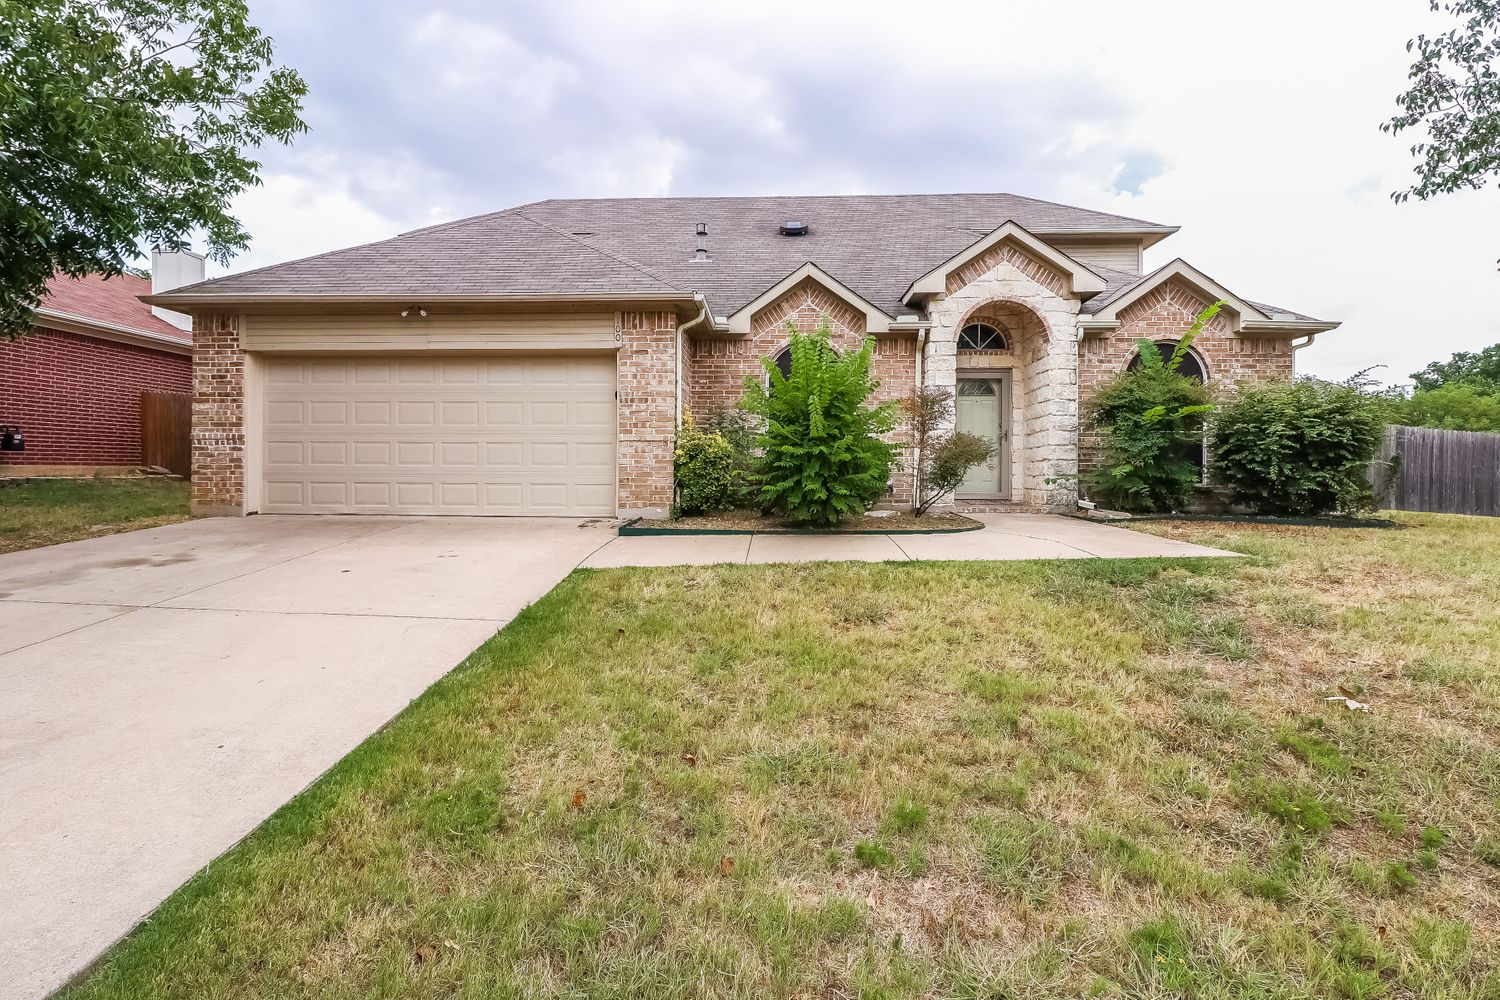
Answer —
(166, 690)
(1005, 537)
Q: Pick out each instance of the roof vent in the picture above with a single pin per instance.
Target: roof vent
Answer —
(792, 227)
(702, 252)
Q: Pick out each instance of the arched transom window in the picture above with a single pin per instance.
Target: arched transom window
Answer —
(1191, 366)
(983, 337)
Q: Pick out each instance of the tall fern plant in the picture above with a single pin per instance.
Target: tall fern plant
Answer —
(1151, 418)
(823, 458)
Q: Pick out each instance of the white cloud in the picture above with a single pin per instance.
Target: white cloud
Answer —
(1254, 127)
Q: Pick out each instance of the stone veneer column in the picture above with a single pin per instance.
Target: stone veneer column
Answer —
(1047, 377)
(647, 387)
(218, 435)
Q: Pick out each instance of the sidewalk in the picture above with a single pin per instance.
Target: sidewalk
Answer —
(1005, 536)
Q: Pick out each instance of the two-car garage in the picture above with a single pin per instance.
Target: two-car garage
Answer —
(399, 432)
(439, 435)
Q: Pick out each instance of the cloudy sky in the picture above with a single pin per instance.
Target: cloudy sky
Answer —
(1254, 127)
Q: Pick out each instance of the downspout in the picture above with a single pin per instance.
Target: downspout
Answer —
(1307, 342)
(681, 331)
(916, 472)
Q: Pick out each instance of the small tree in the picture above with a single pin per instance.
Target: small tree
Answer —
(1151, 417)
(1299, 448)
(824, 458)
(944, 456)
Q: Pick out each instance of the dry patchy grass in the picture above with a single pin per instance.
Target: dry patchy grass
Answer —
(41, 512)
(1093, 778)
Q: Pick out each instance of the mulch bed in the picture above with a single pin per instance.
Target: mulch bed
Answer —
(740, 522)
(1309, 522)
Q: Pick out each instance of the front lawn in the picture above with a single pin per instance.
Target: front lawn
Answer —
(1081, 778)
(47, 511)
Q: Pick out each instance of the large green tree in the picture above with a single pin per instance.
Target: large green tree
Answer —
(1479, 369)
(125, 122)
(1453, 101)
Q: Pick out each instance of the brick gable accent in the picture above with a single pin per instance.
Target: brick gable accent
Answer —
(1006, 252)
(719, 367)
(77, 399)
(1166, 313)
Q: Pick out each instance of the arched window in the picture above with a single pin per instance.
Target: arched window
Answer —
(983, 337)
(784, 362)
(1192, 365)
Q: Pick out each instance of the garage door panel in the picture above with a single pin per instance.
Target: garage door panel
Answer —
(441, 435)
(372, 413)
(416, 496)
(373, 496)
(371, 454)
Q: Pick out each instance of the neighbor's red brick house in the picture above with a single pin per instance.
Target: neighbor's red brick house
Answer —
(539, 360)
(72, 384)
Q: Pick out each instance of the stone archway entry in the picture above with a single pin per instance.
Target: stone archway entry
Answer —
(983, 405)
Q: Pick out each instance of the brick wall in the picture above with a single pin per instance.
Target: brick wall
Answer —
(647, 384)
(218, 415)
(718, 367)
(77, 399)
(1166, 313)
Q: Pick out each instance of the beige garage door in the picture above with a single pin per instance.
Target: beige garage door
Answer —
(436, 435)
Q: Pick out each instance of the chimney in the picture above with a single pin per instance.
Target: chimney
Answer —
(174, 269)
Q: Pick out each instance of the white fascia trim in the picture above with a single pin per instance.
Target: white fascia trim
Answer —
(85, 327)
(1288, 327)
(876, 319)
(935, 282)
(1241, 310)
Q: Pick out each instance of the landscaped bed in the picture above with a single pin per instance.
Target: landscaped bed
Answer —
(753, 522)
(36, 512)
(1074, 778)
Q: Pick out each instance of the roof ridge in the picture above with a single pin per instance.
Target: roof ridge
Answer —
(825, 197)
(618, 258)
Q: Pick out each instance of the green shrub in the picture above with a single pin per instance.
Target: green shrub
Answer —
(1298, 448)
(740, 429)
(704, 464)
(946, 456)
(1152, 422)
(1450, 407)
(823, 457)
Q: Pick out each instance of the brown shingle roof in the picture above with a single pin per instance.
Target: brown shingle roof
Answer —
(875, 244)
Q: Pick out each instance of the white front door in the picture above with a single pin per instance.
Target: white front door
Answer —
(983, 409)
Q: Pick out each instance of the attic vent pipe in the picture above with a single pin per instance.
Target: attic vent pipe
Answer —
(702, 252)
(793, 227)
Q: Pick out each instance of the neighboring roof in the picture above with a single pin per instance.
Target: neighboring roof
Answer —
(1123, 289)
(107, 305)
(873, 244)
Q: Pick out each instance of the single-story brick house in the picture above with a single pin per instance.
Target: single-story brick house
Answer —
(538, 360)
(70, 387)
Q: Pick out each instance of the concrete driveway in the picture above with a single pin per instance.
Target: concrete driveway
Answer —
(163, 691)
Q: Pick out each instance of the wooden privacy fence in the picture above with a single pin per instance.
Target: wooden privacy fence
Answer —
(166, 429)
(1444, 472)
